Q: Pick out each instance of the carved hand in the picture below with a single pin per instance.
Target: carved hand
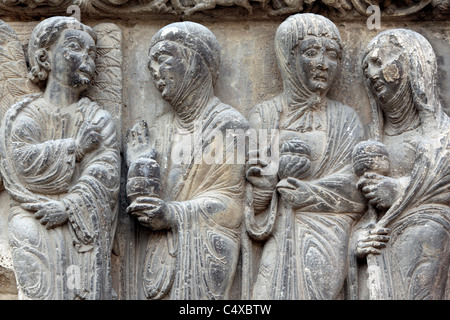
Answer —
(138, 143)
(88, 138)
(371, 241)
(256, 173)
(381, 191)
(51, 214)
(151, 212)
(293, 191)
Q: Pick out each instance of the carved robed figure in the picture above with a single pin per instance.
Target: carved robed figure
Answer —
(183, 192)
(407, 241)
(60, 164)
(303, 214)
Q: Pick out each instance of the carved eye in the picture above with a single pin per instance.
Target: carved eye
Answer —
(332, 55)
(163, 58)
(74, 46)
(311, 53)
(364, 67)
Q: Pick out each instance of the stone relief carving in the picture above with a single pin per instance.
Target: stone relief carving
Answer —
(305, 212)
(405, 235)
(119, 8)
(61, 163)
(190, 208)
(327, 213)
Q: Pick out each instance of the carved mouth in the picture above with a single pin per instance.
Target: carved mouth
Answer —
(379, 86)
(160, 85)
(85, 74)
(321, 78)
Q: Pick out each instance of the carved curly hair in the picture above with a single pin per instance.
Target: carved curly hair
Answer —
(43, 36)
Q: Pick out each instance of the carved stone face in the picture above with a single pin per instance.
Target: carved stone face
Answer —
(168, 68)
(73, 58)
(317, 62)
(383, 66)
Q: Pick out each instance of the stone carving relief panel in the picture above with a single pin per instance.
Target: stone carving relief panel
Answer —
(405, 234)
(61, 158)
(348, 8)
(127, 158)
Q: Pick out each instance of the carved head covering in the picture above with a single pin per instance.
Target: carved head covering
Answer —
(421, 71)
(43, 36)
(195, 37)
(201, 52)
(288, 36)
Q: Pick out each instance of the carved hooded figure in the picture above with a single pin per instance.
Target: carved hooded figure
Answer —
(409, 240)
(60, 163)
(189, 247)
(303, 215)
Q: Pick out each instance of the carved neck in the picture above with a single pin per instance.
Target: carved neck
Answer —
(401, 115)
(59, 94)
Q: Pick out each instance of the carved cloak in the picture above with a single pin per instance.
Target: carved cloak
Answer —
(196, 259)
(72, 261)
(304, 257)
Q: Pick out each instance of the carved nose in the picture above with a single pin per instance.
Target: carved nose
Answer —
(86, 69)
(321, 63)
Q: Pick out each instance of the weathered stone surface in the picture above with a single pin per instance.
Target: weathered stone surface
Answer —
(305, 252)
(248, 75)
(405, 236)
(61, 168)
(190, 207)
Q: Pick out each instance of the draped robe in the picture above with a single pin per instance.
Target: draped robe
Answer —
(196, 258)
(414, 264)
(71, 261)
(304, 256)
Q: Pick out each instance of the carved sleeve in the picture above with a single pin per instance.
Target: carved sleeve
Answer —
(96, 190)
(332, 188)
(46, 166)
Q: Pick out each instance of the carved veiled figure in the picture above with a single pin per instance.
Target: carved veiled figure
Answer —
(190, 208)
(60, 164)
(303, 215)
(408, 239)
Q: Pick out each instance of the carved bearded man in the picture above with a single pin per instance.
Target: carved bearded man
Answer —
(303, 215)
(61, 169)
(192, 211)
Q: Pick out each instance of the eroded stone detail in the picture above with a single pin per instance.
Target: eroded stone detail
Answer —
(405, 235)
(272, 8)
(305, 212)
(191, 209)
(323, 212)
(61, 168)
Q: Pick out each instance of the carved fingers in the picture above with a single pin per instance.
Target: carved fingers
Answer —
(372, 241)
(50, 214)
(379, 190)
(151, 212)
(256, 172)
(293, 191)
(138, 143)
(89, 137)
